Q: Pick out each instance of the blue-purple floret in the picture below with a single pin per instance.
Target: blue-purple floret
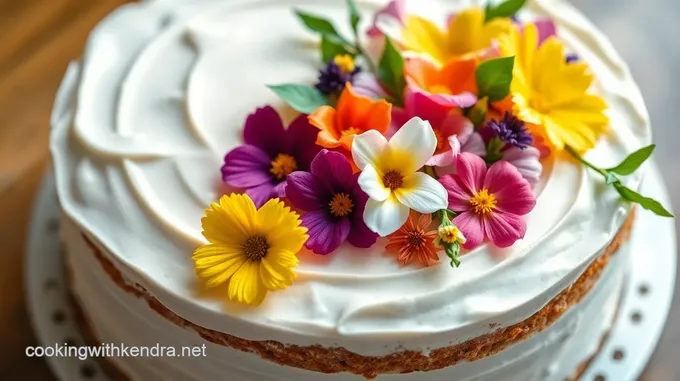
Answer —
(332, 78)
(512, 131)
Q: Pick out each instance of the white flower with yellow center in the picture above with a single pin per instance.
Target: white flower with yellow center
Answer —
(390, 177)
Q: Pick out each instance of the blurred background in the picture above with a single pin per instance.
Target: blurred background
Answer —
(39, 37)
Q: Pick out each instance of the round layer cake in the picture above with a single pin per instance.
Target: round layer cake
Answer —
(140, 129)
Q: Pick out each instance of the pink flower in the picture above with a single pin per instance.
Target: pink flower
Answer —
(454, 132)
(490, 203)
(395, 10)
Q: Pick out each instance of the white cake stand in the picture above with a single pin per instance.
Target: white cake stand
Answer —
(643, 312)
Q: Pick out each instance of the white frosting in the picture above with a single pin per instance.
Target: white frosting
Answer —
(141, 128)
(117, 316)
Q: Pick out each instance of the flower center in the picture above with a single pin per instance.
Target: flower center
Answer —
(255, 247)
(282, 166)
(415, 238)
(449, 234)
(345, 62)
(341, 205)
(393, 179)
(483, 202)
(350, 131)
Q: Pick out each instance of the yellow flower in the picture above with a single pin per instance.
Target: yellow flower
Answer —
(467, 35)
(254, 250)
(551, 95)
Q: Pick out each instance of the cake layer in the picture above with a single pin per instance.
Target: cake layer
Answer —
(141, 127)
(118, 312)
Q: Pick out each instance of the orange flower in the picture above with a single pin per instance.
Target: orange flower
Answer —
(453, 78)
(414, 241)
(355, 114)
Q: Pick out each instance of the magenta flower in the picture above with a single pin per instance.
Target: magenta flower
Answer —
(333, 203)
(490, 203)
(455, 133)
(272, 152)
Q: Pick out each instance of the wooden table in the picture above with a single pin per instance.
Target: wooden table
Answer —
(37, 40)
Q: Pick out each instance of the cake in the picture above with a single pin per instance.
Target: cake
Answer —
(330, 190)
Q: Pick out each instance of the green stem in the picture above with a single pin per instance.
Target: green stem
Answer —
(585, 162)
(369, 62)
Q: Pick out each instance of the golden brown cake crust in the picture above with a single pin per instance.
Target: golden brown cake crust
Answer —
(334, 360)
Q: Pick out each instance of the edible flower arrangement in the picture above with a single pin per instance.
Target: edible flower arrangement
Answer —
(437, 146)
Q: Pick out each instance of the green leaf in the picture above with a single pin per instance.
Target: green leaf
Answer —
(610, 178)
(320, 25)
(631, 163)
(645, 202)
(331, 47)
(391, 69)
(354, 16)
(302, 98)
(505, 9)
(494, 77)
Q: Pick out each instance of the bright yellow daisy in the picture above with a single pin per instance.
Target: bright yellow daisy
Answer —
(467, 35)
(550, 95)
(254, 250)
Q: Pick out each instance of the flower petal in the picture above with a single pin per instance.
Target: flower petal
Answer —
(504, 229)
(279, 189)
(281, 226)
(371, 183)
(421, 104)
(324, 118)
(465, 99)
(458, 194)
(423, 36)
(422, 193)
(264, 129)
(367, 148)
(216, 263)
(300, 141)
(360, 235)
(474, 145)
(245, 285)
(526, 161)
(230, 220)
(385, 217)
(471, 226)
(546, 28)
(333, 170)
(470, 170)
(325, 232)
(276, 275)
(367, 85)
(304, 191)
(246, 166)
(395, 9)
(513, 193)
(417, 139)
(261, 193)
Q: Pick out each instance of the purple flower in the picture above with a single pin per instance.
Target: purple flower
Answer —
(336, 74)
(333, 203)
(511, 131)
(272, 152)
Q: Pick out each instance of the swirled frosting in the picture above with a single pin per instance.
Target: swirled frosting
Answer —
(161, 96)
